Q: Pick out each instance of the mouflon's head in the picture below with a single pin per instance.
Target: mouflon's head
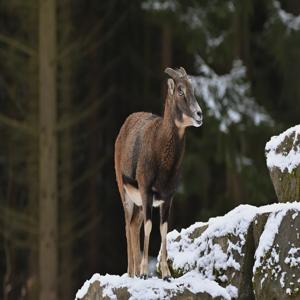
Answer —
(182, 94)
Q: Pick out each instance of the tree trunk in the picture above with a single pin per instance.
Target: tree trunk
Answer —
(166, 51)
(65, 197)
(32, 160)
(48, 152)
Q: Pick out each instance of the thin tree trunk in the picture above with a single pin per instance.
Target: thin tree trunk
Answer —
(48, 264)
(65, 96)
(8, 249)
(237, 52)
(92, 191)
(166, 51)
(32, 159)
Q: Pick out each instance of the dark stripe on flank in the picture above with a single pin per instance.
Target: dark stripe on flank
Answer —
(128, 180)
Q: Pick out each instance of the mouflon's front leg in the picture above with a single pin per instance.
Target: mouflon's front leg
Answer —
(164, 215)
(147, 200)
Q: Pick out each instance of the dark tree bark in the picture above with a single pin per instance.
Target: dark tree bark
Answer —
(48, 256)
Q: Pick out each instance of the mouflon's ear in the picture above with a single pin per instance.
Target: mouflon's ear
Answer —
(171, 86)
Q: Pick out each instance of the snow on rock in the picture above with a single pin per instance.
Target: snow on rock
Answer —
(283, 161)
(84, 289)
(225, 258)
(283, 150)
(153, 288)
(184, 251)
(201, 253)
(276, 269)
(267, 238)
(293, 258)
(223, 251)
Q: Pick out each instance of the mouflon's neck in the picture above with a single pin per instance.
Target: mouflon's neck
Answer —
(170, 119)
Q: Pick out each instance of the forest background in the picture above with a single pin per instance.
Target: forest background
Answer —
(70, 73)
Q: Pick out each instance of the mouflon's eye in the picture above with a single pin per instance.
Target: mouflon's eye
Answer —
(180, 91)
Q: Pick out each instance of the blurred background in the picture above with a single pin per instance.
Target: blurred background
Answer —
(70, 73)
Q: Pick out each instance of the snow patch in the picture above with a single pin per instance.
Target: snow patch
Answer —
(293, 258)
(282, 282)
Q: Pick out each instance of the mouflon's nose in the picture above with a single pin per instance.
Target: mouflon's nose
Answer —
(199, 114)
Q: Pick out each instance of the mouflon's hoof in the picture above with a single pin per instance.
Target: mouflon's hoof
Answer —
(167, 278)
(144, 276)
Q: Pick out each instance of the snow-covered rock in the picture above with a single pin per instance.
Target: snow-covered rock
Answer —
(230, 249)
(250, 249)
(189, 286)
(276, 272)
(221, 250)
(283, 161)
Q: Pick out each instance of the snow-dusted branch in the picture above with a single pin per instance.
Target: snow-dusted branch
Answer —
(289, 20)
(226, 97)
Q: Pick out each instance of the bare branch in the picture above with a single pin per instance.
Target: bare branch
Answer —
(84, 114)
(17, 45)
(22, 126)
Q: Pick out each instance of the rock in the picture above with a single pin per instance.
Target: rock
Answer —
(277, 267)
(222, 250)
(259, 223)
(190, 286)
(227, 249)
(283, 161)
(250, 249)
(95, 293)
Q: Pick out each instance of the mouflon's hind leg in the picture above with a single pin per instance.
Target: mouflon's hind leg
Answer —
(135, 228)
(147, 200)
(128, 210)
(126, 204)
(130, 266)
(164, 216)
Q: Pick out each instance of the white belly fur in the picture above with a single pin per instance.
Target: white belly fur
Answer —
(135, 196)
